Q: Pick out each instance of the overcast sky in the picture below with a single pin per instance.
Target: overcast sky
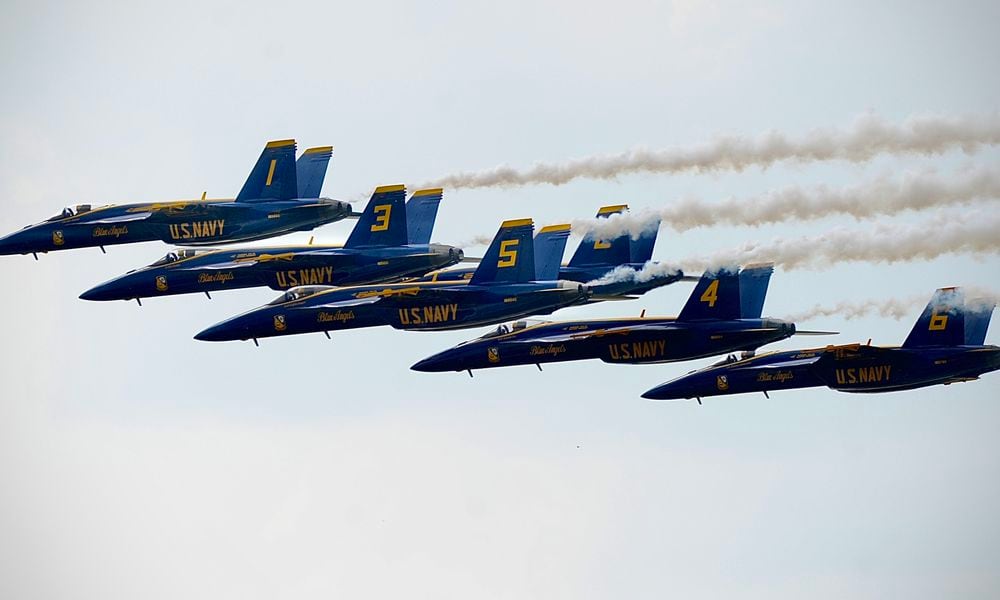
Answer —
(136, 462)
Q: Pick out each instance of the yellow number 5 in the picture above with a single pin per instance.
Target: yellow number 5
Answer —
(382, 213)
(508, 254)
(711, 294)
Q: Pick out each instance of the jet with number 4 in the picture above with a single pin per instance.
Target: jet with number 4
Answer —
(722, 315)
(945, 346)
(390, 241)
(504, 286)
(269, 204)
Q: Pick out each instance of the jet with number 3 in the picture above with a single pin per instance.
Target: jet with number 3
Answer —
(390, 241)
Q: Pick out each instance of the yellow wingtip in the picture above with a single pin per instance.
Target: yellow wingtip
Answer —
(516, 223)
(608, 210)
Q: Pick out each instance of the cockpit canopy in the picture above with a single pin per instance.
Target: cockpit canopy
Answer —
(176, 255)
(71, 211)
(298, 293)
(514, 327)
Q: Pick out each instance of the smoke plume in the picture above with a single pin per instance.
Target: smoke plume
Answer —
(878, 197)
(973, 232)
(867, 137)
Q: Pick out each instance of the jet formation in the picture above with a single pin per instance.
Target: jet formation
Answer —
(388, 273)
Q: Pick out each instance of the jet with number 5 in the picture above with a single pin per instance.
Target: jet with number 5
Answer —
(722, 315)
(390, 241)
(269, 204)
(945, 346)
(504, 286)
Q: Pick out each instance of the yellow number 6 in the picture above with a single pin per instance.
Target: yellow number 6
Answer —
(938, 322)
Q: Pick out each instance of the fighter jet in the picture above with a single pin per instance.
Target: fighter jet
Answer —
(269, 204)
(390, 241)
(945, 346)
(722, 315)
(504, 286)
(595, 259)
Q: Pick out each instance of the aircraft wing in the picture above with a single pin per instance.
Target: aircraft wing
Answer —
(126, 218)
(797, 362)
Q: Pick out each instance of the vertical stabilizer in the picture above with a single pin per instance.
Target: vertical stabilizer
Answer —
(511, 256)
(273, 177)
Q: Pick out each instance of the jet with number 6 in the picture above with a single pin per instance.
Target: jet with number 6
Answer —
(504, 286)
(945, 346)
(269, 204)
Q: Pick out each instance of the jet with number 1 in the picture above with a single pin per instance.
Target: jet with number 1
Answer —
(390, 241)
(945, 346)
(269, 204)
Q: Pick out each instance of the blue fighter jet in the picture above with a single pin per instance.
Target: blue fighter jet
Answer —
(722, 315)
(945, 346)
(595, 259)
(504, 286)
(390, 241)
(269, 204)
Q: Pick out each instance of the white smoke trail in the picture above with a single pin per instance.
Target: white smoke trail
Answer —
(973, 232)
(878, 197)
(868, 136)
(895, 308)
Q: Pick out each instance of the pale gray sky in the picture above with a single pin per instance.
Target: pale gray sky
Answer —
(137, 462)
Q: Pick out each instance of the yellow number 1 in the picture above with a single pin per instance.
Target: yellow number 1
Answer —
(382, 213)
(508, 254)
(711, 294)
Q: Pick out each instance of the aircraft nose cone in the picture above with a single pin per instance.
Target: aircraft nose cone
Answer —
(225, 331)
(672, 390)
(104, 291)
(431, 364)
(453, 359)
(13, 244)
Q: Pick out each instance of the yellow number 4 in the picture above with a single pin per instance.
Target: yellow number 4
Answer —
(508, 254)
(711, 294)
(938, 322)
(382, 213)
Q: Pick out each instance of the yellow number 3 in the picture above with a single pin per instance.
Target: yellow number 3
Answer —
(382, 213)
(508, 254)
(938, 322)
(711, 294)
